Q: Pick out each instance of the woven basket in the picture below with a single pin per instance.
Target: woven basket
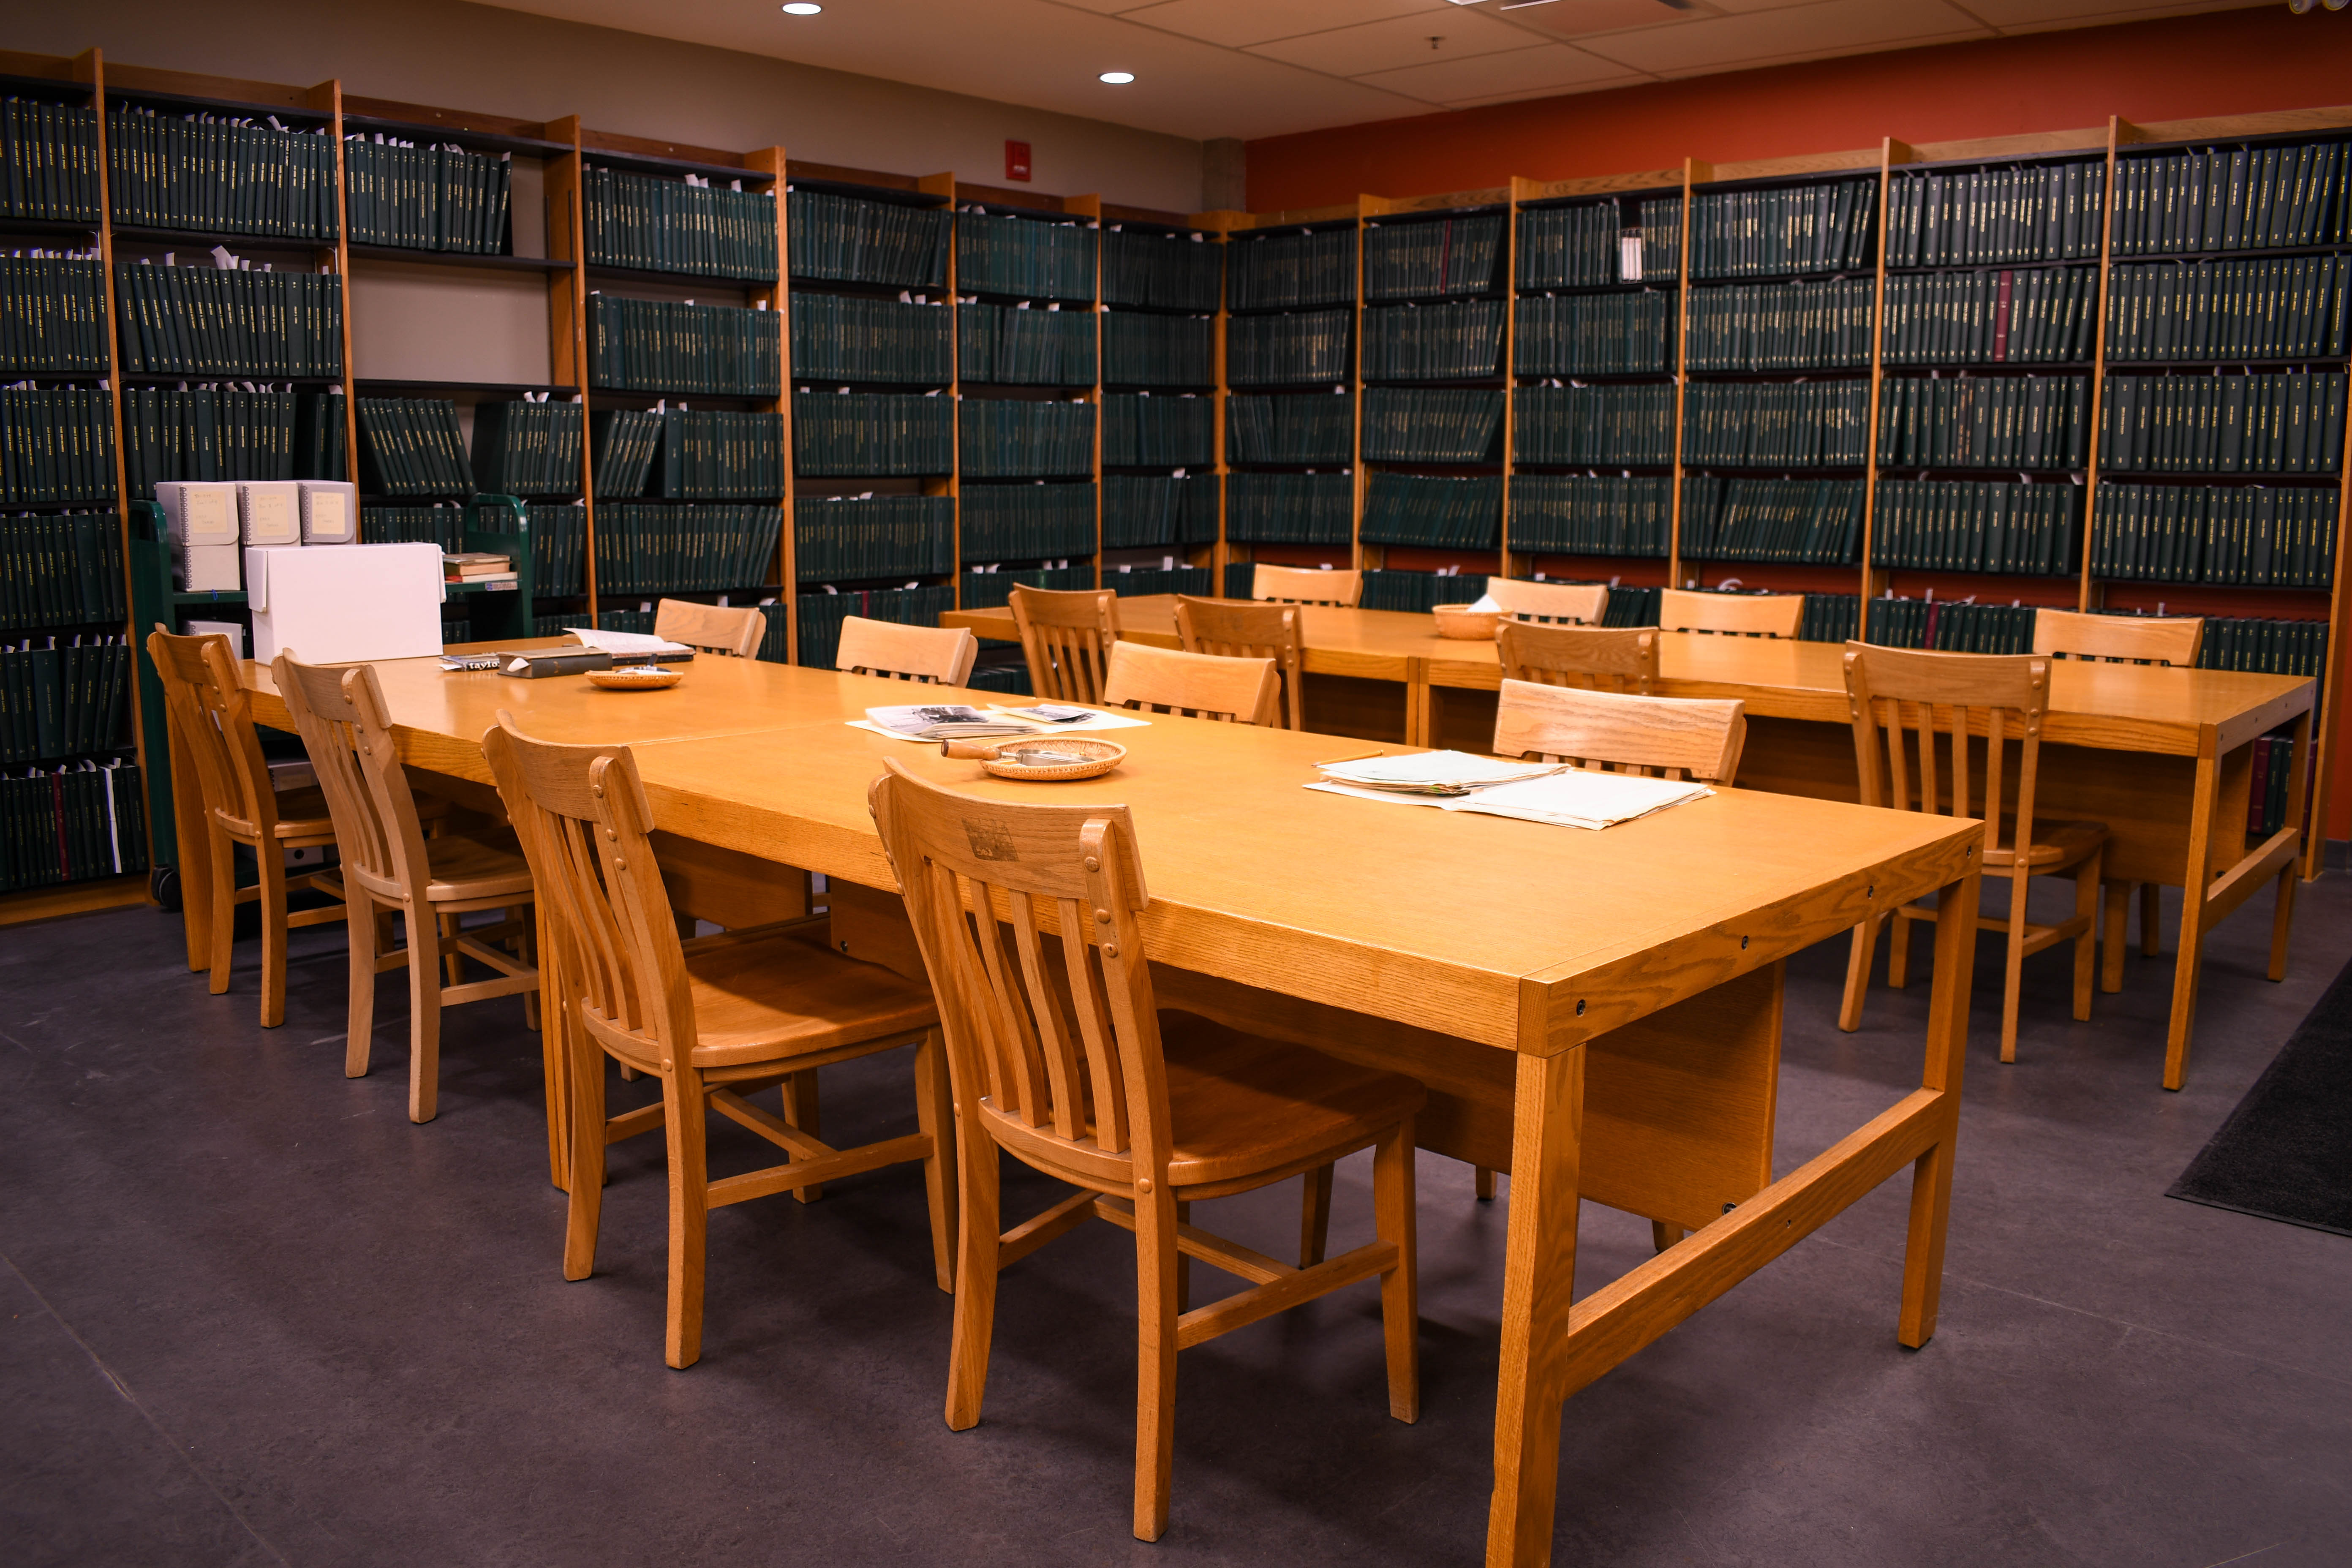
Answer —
(1088, 759)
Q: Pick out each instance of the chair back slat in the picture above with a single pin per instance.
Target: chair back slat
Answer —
(1906, 702)
(2119, 639)
(1567, 604)
(734, 630)
(1231, 628)
(925, 654)
(1307, 585)
(1067, 637)
(1688, 738)
(207, 706)
(1598, 658)
(340, 714)
(1202, 685)
(1730, 615)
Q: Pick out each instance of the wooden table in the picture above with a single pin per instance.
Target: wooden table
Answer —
(2161, 756)
(1597, 1012)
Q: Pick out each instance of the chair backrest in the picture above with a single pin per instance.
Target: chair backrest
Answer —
(927, 655)
(340, 714)
(1061, 1033)
(2119, 639)
(1674, 737)
(715, 628)
(1067, 637)
(1305, 586)
(1902, 700)
(583, 818)
(1203, 684)
(1233, 629)
(1735, 615)
(208, 708)
(1598, 658)
(1577, 603)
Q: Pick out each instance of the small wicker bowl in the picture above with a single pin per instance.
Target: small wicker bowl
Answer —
(1463, 623)
(1088, 759)
(635, 677)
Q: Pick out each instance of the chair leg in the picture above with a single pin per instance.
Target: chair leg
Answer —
(360, 926)
(1857, 972)
(451, 959)
(1156, 1310)
(583, 1104)
(685, 1118)
(2086, 946)
(424, 1014)
(2013, 969)
(2151, 909)
(1898, 950)
(1483, 1184)
(222, 851)
(1392, 1217)
(934, 1116)
(1315, 1216)
(975, 1279)
(801, 1110)
(273, 934)
(1664, 1234)
(2118, 915)
(526, 949)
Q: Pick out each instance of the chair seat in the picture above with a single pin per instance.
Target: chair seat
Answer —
(770, 999)
(302, 814)
(485, 865)
(2054, 844)
(1241, 1105)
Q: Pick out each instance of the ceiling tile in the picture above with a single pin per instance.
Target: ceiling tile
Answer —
(1487, 76)
(1799, 32)
(1578, 18)
(1237, 23)
(1399, 42)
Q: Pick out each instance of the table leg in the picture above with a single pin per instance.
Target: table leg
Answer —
(2283, 919)
(1539, 1286)
(1419, 705)
(2196, 881)
(1931, 1174)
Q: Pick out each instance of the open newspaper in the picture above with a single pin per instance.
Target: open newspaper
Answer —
(1531, 792)
(626, 645)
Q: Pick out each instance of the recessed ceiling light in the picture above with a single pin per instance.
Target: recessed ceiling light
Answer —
(803, 8)
(1116, 78)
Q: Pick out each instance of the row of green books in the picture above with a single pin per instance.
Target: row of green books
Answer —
(56, 447)
(1161, 271)
(63, 701)
(843, 239)
(1435, 343)
(1412, 425)
(412, 446)
(637, 621)
(219, 176)
(821, 615)
(2290, 424)
(1780, 326)
(1019, 440)
(622, 445)
(527, 448)
(1418, 593)
(2244, 198)
(840, 337)
(71, 824)
(1424, 509)
(2031, 422)
(1289, 509)
(558, 546)
(645, 547)
(1290, 350)
(1777, 424)
(1951, 626)
(1976, 217)
(48, 162)
(426, 198)
(2258, 536)
(1432, 257)
(1131, 581)
(873, 434)
(1158, 351)
(213, 320)
(1026, 522)
(1826, 617)
(1140, 431)
(707, 454)
(1626, 333)
(1584, 425)
(2264, 647)
(60, 569)
(1813, 522)
(1585, 247)
(1575, 514)
(845, 539)
(1312, 430)
(1285, 271)
(1030, 258)
(52, 315)
(1013, 346)
(1972, 527)
(439, 524)
(2290, 308)
(2044, 316)
(988, 589)
(225, 432)
(659, 345)
(1146, 511)
(685, 226)
(1820, 227)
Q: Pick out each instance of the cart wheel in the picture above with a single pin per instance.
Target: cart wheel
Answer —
(163, 887)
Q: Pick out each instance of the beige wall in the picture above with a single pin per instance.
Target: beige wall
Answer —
(456, 56)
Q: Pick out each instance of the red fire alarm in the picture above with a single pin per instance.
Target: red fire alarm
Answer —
(1016, 159)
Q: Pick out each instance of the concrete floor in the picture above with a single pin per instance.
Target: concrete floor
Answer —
(248, 1314)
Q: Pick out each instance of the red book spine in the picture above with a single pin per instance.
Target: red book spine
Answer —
(57, 805)
(2258, 793)
(2000, 320)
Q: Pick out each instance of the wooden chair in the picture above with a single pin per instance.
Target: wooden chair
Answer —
(1901, 701)
(1668, 737)
(388, 864)
(1598, 658)
(1200, 685)
(210, 720)
(1066, 638)
(925, 654)
(1301, 585)
(1575, 603)
(715, 1019)
(1060, 1056)
(1231, 629)
(736, 630)
(1732, 615)
(2122, 640)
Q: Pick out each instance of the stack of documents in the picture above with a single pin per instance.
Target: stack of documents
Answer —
(1432, 773)
(1456, 781)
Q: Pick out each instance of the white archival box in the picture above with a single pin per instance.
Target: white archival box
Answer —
(340, 606)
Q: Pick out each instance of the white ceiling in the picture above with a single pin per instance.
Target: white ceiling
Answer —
(1263, 68)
